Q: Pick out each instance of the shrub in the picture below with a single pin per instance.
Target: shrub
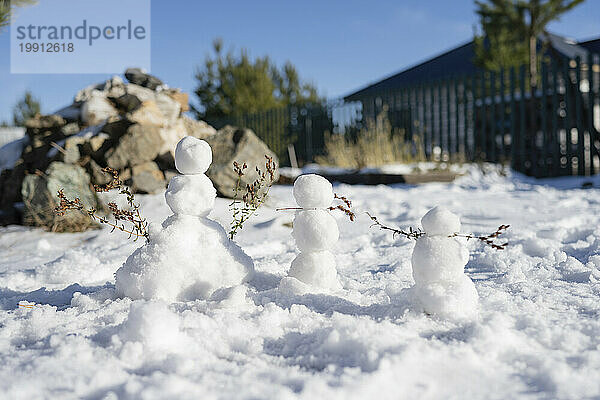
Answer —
(377, 144)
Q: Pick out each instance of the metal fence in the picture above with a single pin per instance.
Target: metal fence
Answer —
(547, 129)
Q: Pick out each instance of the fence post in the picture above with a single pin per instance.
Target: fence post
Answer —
(431, 121)
(594, 135)
(502, 157)
(493, 133)
(568, 120)
(555, 134)
(456, 119)
(581, 164)
(483, 140)
(545, 151)
(522, 122)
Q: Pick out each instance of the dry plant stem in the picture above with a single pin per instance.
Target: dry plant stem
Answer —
(254, 196)
(345, 208)
(410, 234)
(139, 225)
(415, 234)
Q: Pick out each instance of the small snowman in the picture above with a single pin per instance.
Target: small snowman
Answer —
(190, 256)
(438, 264)
(315, 232)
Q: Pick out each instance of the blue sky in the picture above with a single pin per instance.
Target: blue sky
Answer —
(337, 45)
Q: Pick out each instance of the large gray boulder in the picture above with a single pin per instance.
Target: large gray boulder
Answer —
(39, 193)
(147, 178)
(235, 144)
(140, 144)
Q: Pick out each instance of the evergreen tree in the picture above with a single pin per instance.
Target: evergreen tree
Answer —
(511, 30)
(7, 9)
(230, 84)
(26, 108)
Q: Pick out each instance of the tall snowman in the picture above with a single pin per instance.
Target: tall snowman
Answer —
(438, 264)
(315, 232)
(190, 256)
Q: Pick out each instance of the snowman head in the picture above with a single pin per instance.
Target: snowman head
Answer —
(313, 191)
(192, 156)
(440, 221)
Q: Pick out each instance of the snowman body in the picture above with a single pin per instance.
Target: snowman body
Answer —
(315, 232)
(438, 263)
(190, 255)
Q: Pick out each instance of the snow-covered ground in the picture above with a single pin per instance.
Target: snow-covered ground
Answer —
(538, 335)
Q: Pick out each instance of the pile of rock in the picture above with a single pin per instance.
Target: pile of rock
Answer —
(132, 127)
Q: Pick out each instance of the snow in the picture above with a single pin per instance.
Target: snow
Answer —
(315, 230)
(316, 269)
(191, 195)
(312, 191)
(190, 256)
(537, 335)
(192, 156)
(438, 264)
(440, 221)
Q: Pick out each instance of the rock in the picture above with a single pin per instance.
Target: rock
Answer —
(147, 178)
(180, 97)
(147, 113)
(116, 127)
(98, 177)
(10, 185)
(169, 174)
(127, 103)
(234, 144)
(71, 152)
(97, 109)
(139, 77)
(171, 135)
(70, 129)
(141, 143)
(197, 129)
(39, 194)
(114, 87)
(169, 108)
(47, 126)
(142, 93)
(97, 145)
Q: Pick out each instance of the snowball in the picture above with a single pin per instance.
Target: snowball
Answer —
(313, 191)
(315, 230)
(191, 195)
(440, 221)
(192, 156)
(452, 300)
(438, 258)
(189, 259)
(316, 269)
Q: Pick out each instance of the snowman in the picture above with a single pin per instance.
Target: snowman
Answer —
(315, 232)
(438, 264)
(190, 256)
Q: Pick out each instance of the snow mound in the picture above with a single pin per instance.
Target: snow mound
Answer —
(153, 325)
(188, 259)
